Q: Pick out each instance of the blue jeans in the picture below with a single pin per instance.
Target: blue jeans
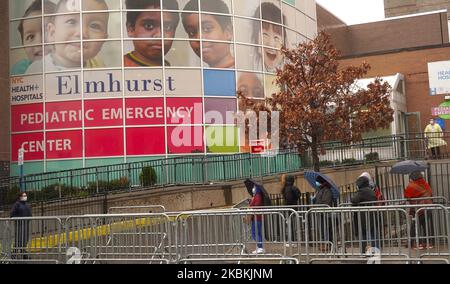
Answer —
(257, 233)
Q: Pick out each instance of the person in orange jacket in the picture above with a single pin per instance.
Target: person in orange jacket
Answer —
(419, 188)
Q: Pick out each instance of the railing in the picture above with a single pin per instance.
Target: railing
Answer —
(189, 170)
(294, 234)
(206, 169)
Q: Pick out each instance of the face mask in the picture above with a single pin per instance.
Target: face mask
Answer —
(318, 184)
(254, 190)
(23, 198)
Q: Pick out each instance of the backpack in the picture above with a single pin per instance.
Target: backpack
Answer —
(266, 197)
(290, 194)
(378, 194)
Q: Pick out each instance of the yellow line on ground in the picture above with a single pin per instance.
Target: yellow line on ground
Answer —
(52, 241)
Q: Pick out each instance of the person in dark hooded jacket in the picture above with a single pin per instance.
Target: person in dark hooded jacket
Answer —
(364, 222)
(291, 195)
(324, 195)
(22, 227)
(290, 192)
(365, 193)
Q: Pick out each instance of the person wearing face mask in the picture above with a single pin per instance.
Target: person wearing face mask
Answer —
(257, 200)
(324, 196)
(21, 209)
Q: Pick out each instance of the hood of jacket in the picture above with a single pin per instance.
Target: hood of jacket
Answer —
(362, 182)
(290, 180)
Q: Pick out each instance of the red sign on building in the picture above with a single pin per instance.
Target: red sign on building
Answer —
(257, 146)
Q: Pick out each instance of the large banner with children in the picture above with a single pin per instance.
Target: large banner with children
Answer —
(136, 78)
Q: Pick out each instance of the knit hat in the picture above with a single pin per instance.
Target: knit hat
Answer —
(415, 175)
(362, 182)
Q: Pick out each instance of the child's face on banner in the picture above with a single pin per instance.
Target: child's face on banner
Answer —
(32, 35)
(67, 28)
(272, 37)
(191, 25)
(211, 30)
(250, 86)
(95, 26)
(148, 25)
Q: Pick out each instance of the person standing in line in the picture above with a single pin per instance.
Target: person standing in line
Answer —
(256, 220)
(364, 222)
(291, 195)
(433, 133)
(324, 196)
(374, 187)
(21, 209)
(419, 188)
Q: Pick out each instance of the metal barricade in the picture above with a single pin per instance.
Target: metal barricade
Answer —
(31, 239)
(431, 232)
(233, 233)
(435, 199)
(123, 261)
(348, 231)
(358, 231)
(308, 234)
(376, 260)
(123, 236)
(296, 227)
(241, 260)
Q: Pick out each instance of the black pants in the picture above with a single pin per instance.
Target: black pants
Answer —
(326, 226)
(436, 152)
(294, 228)
(426, 229)
(21, 238)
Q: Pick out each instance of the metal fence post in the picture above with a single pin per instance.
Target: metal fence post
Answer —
(204, 170)
(224, 170)
(105, 203)
(71, 179)
(96, 179)
(129, 177)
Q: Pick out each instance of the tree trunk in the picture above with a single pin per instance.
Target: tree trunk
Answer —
(315, 157)
(315, 154)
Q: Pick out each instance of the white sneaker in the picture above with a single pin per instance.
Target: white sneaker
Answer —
(258, 251)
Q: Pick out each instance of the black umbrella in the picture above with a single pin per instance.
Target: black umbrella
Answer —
(407, 167)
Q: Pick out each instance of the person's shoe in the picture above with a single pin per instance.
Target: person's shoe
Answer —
(419, 247)
(258, 251)
(323, 248)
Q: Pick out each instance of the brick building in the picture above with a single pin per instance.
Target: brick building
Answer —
(394, 8)
(402, 45)
(4, 90)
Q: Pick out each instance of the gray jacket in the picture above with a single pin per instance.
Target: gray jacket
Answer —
(324, 196)
(365, 194)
